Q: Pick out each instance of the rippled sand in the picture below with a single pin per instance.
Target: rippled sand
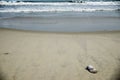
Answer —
(27, 55)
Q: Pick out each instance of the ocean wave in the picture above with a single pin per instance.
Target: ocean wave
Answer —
(58, 6)
(61, 3)
(58, 10)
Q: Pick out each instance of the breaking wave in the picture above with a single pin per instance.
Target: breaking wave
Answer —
(58, 6)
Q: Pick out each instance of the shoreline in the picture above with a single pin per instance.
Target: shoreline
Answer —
(62, 24)
(53, 32)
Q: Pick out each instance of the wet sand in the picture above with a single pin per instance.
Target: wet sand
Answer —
(63, 23)
(28, 55)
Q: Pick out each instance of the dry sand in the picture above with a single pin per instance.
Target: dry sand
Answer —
(27, 55)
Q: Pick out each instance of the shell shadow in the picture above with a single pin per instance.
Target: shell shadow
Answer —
(2, 76)
(116, 76)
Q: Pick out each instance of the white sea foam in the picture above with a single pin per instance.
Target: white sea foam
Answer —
(58, 6)
(56, 10)
(60, 3)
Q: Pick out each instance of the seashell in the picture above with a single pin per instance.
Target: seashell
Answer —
(91, 69)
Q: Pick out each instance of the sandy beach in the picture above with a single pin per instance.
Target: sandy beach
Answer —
(28, 55)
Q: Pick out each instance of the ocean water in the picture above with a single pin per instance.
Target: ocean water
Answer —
(11, 10)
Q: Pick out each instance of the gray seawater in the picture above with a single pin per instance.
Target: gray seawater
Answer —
(60, 15)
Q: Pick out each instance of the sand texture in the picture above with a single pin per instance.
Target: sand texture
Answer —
(27, 55)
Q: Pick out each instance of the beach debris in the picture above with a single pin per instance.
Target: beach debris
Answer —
(6, 53)
(91, 69)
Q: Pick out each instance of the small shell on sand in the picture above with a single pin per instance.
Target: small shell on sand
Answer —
(91, 69)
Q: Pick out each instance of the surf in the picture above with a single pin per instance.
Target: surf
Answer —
(87, 6)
